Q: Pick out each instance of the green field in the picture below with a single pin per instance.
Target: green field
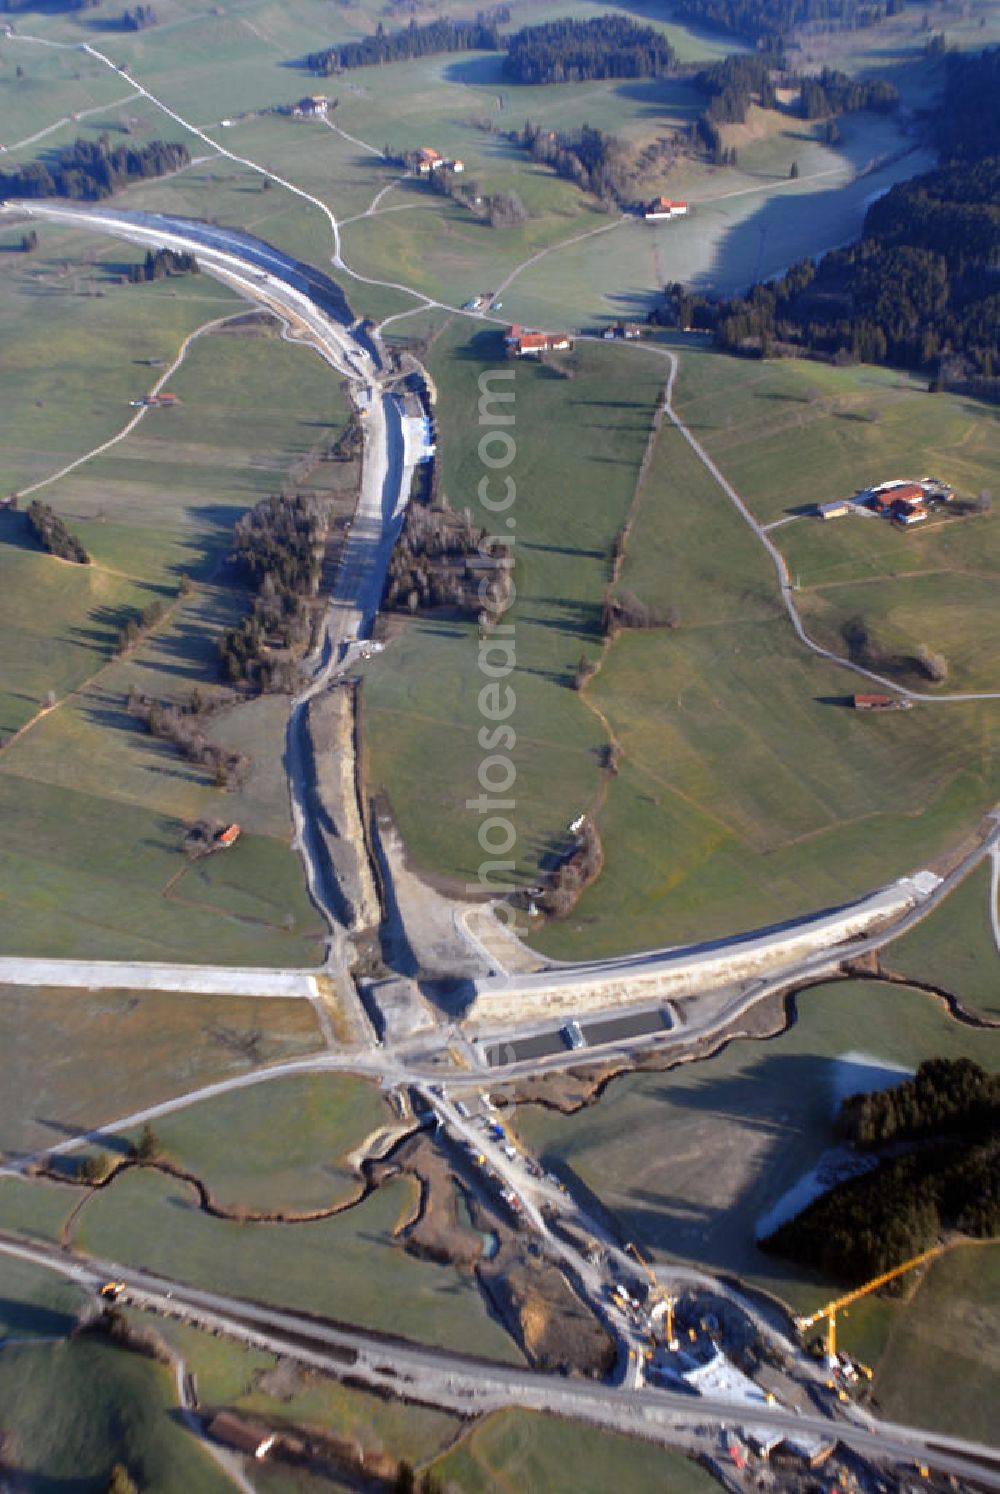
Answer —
(96, 811)
(747, 792)
(681, 818)
(119, 1051)
(74, 1408)
(953, 1319)
(518, 1450)
(280, 1145)
(793, 432)
(689, 1161)
(455, 103)
(228, 1374)
(579, 443)
(954, 947)
(345, 1267)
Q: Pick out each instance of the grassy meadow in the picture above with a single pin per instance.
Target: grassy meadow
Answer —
(579, 444)
(954, 947)
(73, 1408)
(346, 1267)
(238, 66)
(281, 1145)
(953, 1317)
(119, 1051)
(253, 1382)
(157, 506)
(744, 1126)
(521, 1450)
(747, 791)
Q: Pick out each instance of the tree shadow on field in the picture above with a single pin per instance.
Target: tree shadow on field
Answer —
(16, 532)
(106, 711)
(479, 72)
(484, 347)
(660, 97)
(577, 551)
(743, 1127)
(26, 1319)
(106, 623)
(189, 651)
(109, 1140)
(609, 404)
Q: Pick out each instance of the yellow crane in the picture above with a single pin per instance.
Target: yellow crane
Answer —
(661, 1299)
(831, 1309)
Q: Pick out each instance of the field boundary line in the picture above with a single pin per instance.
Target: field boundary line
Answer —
(615, 747)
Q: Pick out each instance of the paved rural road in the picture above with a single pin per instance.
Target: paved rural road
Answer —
(473, 1386)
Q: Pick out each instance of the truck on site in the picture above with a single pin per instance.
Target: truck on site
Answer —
(112, 1290)
(573, 1033)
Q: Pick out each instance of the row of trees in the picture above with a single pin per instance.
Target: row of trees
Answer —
(133, 629)
(184, 728)
(139, 18)
(52, 534)
(833, 92)
(597, 162)
(427, 566)
(949, 1176)
(92, 169)
(624, 609)
(574, 873)
(277, 550)
(767, 22)
(734, 83)
(570, 51)
(161, 264)
(946, 1097)
(412, 41)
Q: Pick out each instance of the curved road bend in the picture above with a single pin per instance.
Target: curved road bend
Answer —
(473, 1386)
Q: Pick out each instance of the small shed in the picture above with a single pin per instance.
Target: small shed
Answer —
(245, 1436)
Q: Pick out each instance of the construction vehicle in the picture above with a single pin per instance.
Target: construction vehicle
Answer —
(830, 1311)
(112, 1290)
(662, 1302)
